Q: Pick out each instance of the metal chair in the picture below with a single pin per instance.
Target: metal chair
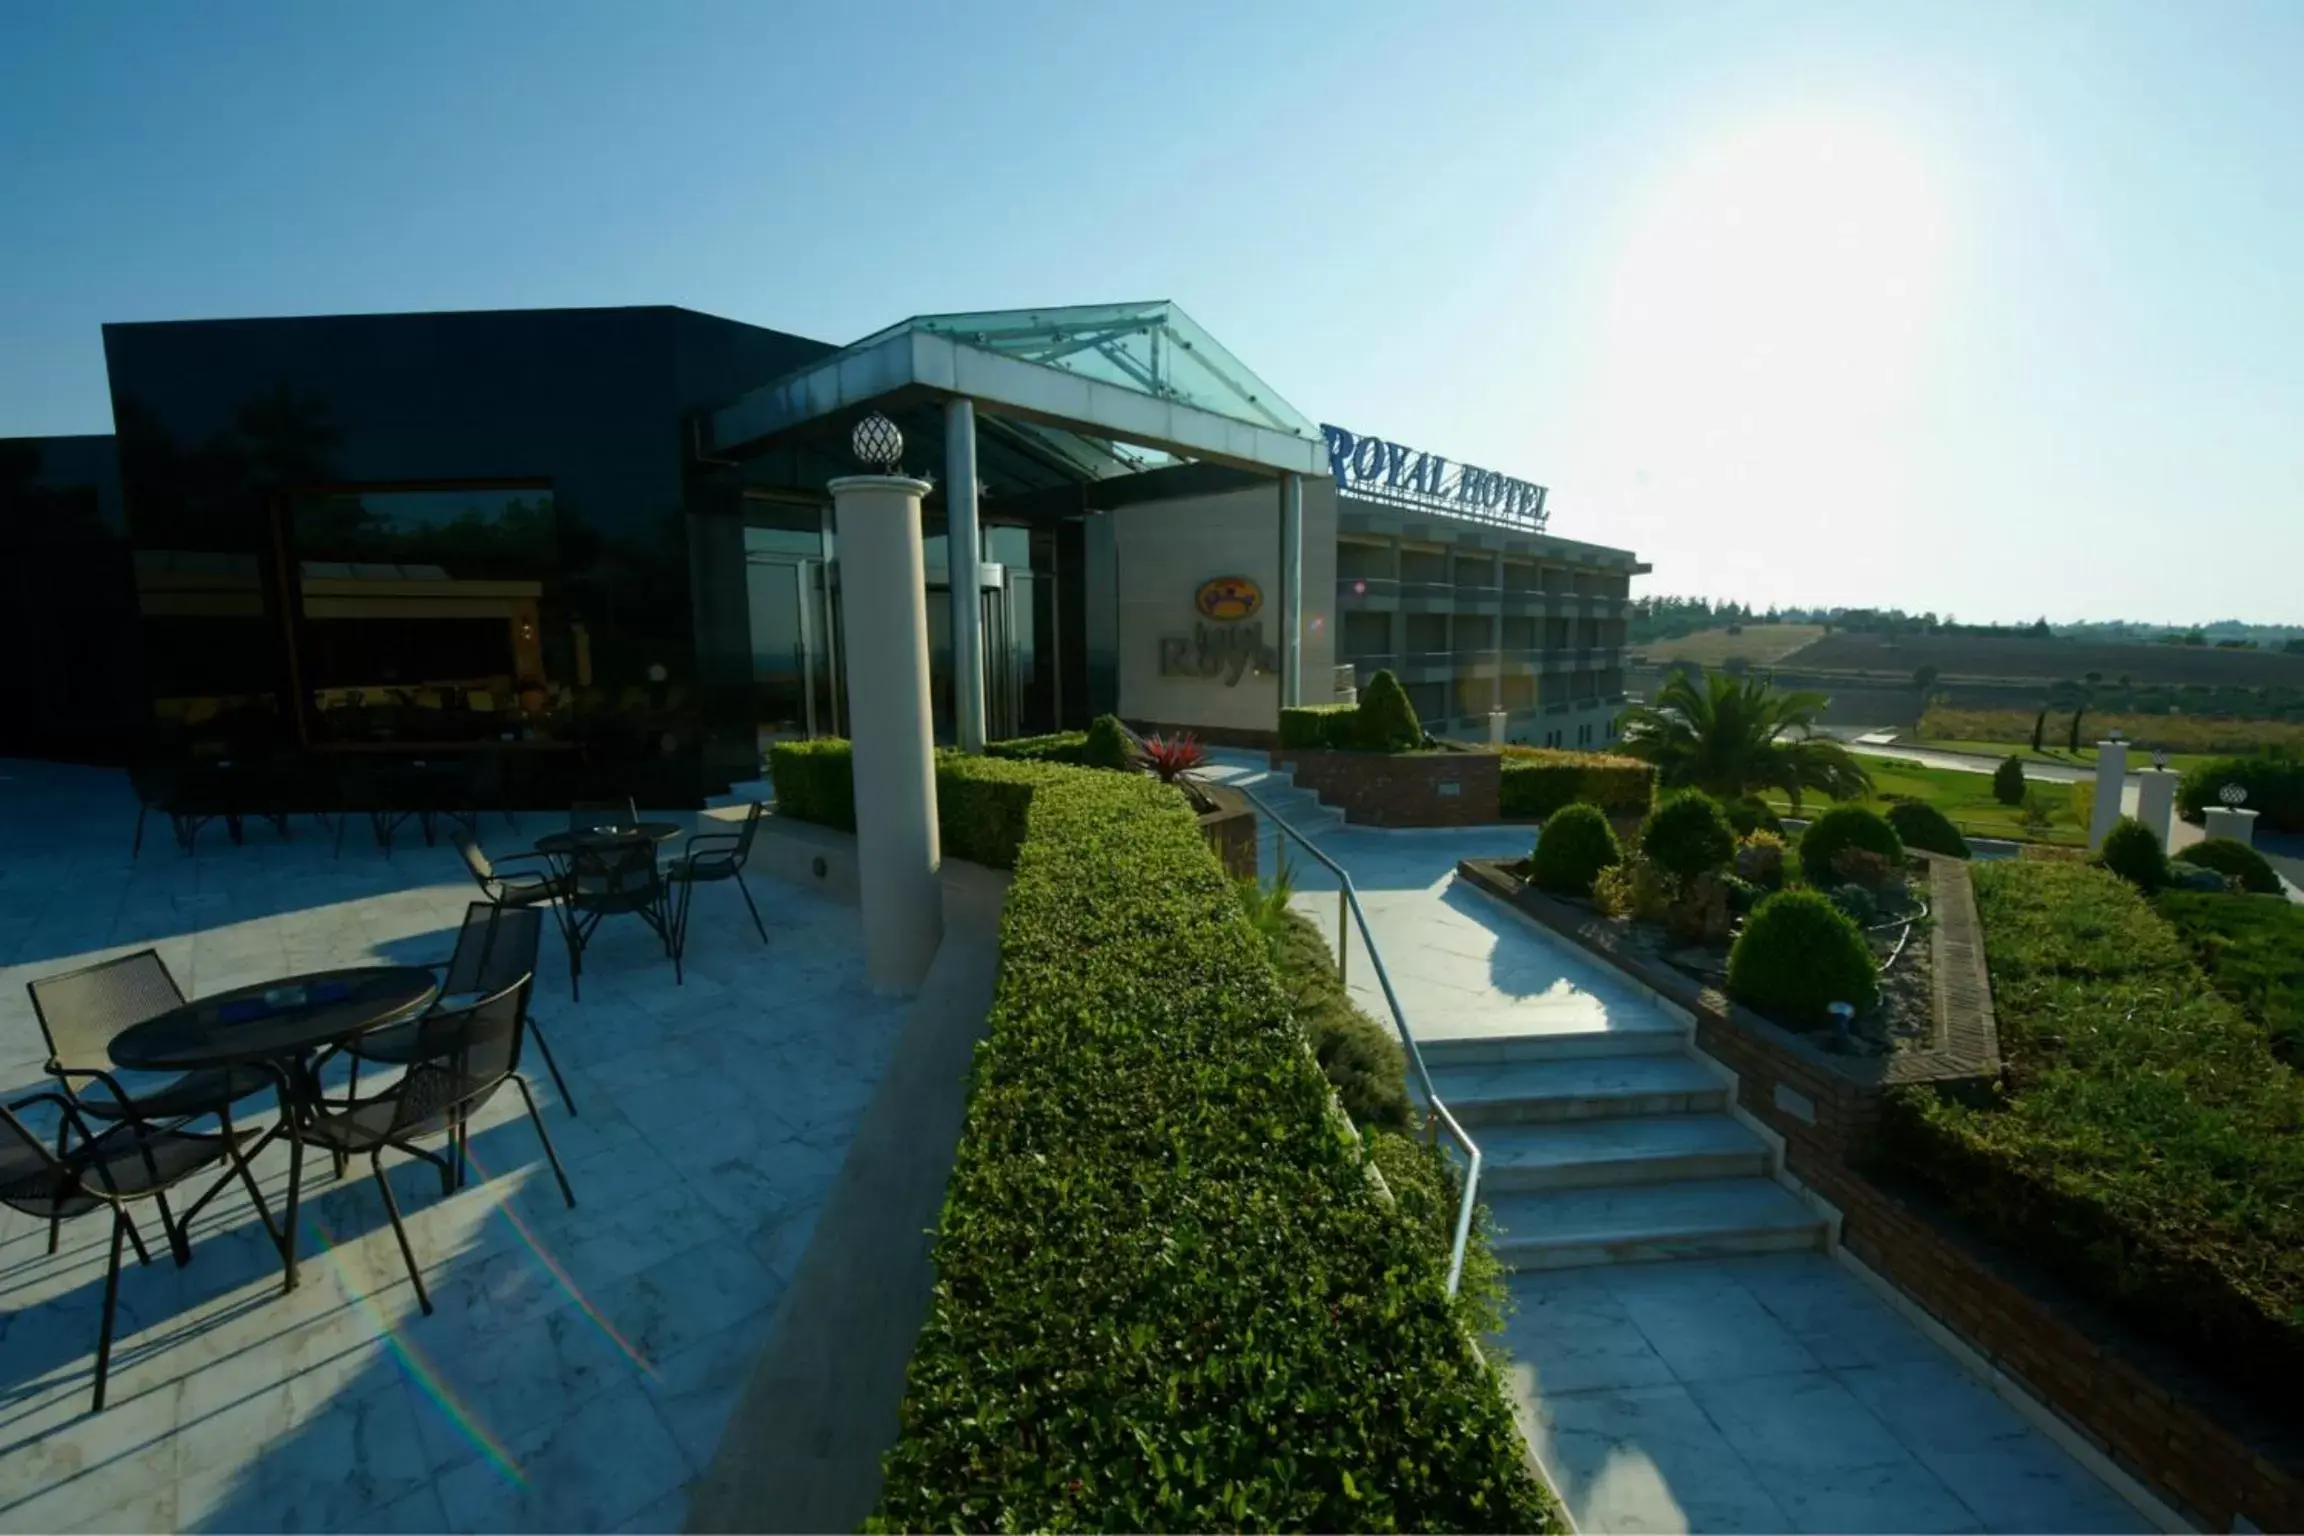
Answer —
(608, 879)
(513, 888)
(82, 1012)
(131, 1161)
(495, 948)
(711, 856)
(360, 791)
(457, 1061)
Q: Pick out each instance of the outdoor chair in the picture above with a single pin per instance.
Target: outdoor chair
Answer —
(155, 784)
(713, 856)
(484, 788)
(115, 1168)
(495, 948)
(457, 1060)
(609, 880)
(506, 887)
(361, 791)
(82, 1012)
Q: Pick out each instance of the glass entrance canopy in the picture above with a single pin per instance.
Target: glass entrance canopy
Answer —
(1107, 389)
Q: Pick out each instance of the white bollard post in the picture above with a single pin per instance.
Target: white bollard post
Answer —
(2156, 802)
(884, 625)
(2231, 821)
(2111, 778)
(1497, 720)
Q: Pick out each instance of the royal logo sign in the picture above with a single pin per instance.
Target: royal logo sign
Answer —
(1225, 644)
(1228, 598)
(1375, 470)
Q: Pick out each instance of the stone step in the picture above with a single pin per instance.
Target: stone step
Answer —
(1656, 1036)
(1589, 1088)
(1643, 1149)
(1684, 1219)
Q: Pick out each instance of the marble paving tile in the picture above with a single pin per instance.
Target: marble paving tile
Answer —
(315, 1467)
(1829, 1311)
(1647, 1459)
(1703, 1324)
(592, 1470)
(1567, 1333)
(696, 1389)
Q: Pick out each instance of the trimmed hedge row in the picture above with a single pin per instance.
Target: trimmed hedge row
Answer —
(2275, 789)
(1067, 747)
(1167, 1294)
(1539, 780)
(2143, 1143)
(980, 801)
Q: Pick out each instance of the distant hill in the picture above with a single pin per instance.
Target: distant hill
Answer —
(1760, 644)
(2049, 659)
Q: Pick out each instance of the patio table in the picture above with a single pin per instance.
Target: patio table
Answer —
(278, 1025)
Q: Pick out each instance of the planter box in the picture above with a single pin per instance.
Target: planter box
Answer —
(1403, 789)
(1230, 830)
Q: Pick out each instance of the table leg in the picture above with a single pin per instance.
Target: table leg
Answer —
(291, 1086)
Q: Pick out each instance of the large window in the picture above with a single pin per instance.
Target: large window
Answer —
(425, 616)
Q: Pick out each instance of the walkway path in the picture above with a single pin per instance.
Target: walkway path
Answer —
(1749, 1381)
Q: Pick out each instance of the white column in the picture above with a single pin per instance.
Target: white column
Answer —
(966, 548)
(2231, 821)
(2111, 777)
(1497, 720)
(2156, 802)
(1291, 590)
(884, 630)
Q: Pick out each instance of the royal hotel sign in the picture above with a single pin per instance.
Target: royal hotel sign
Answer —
(1397, 475)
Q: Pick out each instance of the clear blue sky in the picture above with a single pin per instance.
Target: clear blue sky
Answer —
(1991, 309)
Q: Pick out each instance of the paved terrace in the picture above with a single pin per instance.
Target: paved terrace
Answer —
(582, 1363)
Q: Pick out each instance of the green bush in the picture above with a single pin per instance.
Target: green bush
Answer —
(1749, 814)
(814, 782)
(2008, 779)
(1362, 1060)
(1536, 781)
(1688, 834)
(1920, 825)
(1846, 826)
(1386, 719)
(2234, 860)
(2142, 1144)
(2132, 851)
(1797, 955)
(1068, 747)
(1168, 1296)
(2275, 789)
(1571, 850)
(1319, 727)
(2253, 952)
(1107, 745)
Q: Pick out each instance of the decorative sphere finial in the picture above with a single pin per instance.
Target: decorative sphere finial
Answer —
(2160, 759)
(877, 443)
(2233, 794)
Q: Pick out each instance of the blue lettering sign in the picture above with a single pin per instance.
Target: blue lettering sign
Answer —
(1400, 476)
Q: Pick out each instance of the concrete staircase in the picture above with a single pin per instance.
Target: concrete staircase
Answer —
(1601, 1146)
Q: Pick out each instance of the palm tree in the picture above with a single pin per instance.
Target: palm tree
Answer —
(1732, 738)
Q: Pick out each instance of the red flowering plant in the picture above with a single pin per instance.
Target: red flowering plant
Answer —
(1174, 756)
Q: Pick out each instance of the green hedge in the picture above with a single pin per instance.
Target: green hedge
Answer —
(2234, 860)
(1539, 780)
(980, 801)
(1068, 747)
(2143, 1143)
(2275, 789)
(1320, 727)
(2253, 952)
(1167, 1294)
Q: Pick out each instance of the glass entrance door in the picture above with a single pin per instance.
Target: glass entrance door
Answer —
(794, 656)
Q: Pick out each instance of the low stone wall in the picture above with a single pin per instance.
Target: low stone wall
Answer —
(2181, 1437)
(1231, 830)
(1402, 789)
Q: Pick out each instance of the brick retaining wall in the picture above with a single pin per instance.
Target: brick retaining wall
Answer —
(1403, 789)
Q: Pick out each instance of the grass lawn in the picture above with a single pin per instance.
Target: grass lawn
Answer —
(1965, 798)
(2084, 758)
(1761, 644)
(2252, 948)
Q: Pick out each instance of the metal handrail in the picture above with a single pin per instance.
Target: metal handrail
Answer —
(1348, 900)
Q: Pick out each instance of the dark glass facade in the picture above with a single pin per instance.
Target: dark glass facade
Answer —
(71, 656)
(420, 532)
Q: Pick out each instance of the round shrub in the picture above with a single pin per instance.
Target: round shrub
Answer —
(1688, 835)
(2132, 851)
(2235, 860)
(1921, 825)
(2008, 780)
(1798, 955)
(1107, 745)
(1571, 850)
(1386, 717)
(1760, 859)
(1846, 826)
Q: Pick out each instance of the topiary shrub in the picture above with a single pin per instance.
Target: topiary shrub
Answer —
(2235, 860)
(1107, 745)
(1688, 835)
(2008, 780)
(1921, 825)
(1387, 720)
(2132, 851)
(1314, 727)
(1536, 781)
(1749, 814)
(1760, 860)
(1846, 826)
(1799, 954)
(1571, 850)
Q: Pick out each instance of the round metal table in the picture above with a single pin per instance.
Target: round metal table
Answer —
(566, 845)
(278, 1024)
